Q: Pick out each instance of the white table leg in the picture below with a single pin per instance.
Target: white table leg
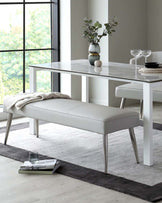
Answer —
(148, 124)
(33, 88)
(32, 79)
(85, 89)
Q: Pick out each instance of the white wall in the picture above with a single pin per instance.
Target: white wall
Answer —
(73, 46)
(65, 30)
(65, 42)
(98, 10)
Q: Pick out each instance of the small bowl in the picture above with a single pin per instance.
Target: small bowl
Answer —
(152, 65)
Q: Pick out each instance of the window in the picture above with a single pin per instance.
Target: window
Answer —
(29, 34)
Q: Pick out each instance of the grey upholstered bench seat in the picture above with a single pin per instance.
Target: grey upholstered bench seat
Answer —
(86, 116)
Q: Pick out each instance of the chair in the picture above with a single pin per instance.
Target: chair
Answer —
(135, 91)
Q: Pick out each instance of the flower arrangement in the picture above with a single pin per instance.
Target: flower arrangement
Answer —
(91, 31)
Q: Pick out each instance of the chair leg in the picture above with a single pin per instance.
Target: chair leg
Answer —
(105, 145)
(141, 108)
(37, 127)
(8, 127)
(122, 104)
(134, 143)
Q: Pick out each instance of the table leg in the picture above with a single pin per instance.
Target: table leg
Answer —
(148, 124)
(33, 87)
(85, 89)
(32, 79)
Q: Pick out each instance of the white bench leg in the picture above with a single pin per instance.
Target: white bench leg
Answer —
(105, 145)
(8, 127)
(37, 128)
(134, 143)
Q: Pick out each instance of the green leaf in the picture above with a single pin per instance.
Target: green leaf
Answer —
(91, 30)
(97, 25)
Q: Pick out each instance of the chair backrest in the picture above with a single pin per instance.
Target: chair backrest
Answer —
(156, 57)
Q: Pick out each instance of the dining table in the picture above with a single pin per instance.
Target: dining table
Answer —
(109, 71)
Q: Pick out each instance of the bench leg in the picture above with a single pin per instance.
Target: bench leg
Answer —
(37, 128)
(8, 127)
(122, 104)
(134, 143)
(105, 145)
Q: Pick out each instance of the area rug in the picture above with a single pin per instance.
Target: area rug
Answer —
(19, 138)
(149, 193)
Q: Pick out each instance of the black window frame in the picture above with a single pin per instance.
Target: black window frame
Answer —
(55, 38)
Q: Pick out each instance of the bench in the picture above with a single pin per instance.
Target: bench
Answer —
(85, 116)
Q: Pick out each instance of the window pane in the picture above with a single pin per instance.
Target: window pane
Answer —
(11, 27)
(43, 77)
(38, 26)
(11, 74)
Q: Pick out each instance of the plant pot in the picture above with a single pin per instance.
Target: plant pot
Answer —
(92, 58)
(94, 50)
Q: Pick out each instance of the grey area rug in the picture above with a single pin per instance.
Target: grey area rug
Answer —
(82, 156)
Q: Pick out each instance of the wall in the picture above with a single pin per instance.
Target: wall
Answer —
(73, 46)
(98, 10)
(65, 42)
(132, 29)
(131, 33)
(79, 47)
(139, 27)
(72, 15)
(154, 29)
(143, 18)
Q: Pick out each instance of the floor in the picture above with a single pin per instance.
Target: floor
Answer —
(15, 188)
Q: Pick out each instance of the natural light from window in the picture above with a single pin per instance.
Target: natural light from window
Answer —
(23, 45)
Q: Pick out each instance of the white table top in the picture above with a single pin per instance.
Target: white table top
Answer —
(110, 70)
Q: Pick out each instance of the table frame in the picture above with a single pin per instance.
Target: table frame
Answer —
(147, 102)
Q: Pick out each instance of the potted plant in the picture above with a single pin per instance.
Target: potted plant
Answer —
(92, 34)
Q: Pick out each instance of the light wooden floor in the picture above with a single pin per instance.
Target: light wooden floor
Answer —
(16, 188)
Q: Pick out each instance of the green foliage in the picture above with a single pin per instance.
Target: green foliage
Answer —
(11, 63)
(91, 31)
